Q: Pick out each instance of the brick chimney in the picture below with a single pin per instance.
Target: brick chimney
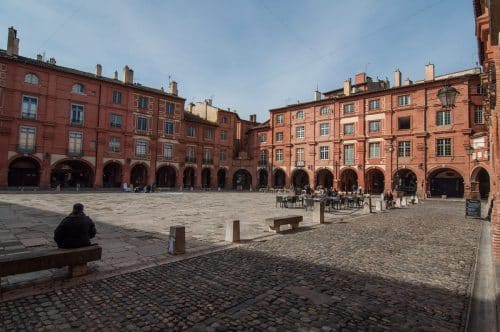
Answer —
(347, 87)
(317, 95)
(52, 61)
(397, 78)
(429, 72)
(127, 75)
(12, 42)
(172, 88)
(39, 57)
(360, 78)
(408, 81)
(253, 118)
(98, 70)
(116, 74)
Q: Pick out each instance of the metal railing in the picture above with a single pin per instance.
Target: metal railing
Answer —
(25, 149)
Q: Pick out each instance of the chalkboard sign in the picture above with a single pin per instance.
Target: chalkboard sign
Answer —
(473, 208)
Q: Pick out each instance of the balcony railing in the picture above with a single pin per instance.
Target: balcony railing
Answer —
(300, 163)
(25, 149)
(168, 158)
(190, 159)
(349, 162)
(28, 115)
(72, 153)
(208, 161)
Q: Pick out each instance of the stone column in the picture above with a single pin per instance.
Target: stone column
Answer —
(319, 212)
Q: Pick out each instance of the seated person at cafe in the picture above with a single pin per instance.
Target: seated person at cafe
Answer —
(75, 230)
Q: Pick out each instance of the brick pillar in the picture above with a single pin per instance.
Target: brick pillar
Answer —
(45, 172)
(4, 162)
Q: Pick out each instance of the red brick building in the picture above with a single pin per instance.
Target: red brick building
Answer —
(377, 137)
(61, 126)
(487, 14)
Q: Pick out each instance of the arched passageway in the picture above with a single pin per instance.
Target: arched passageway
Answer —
(348, 180)
(324, 178)
(481, 182)
(188, 177)
(445, 181)
(166, 176)
(300, 179)
(242, 179)
(139, 175)
(279, 178)
(24, 171)
(206, 176)
(112, 175)
(221, 178)
(405, 180)
(72, 173)
(374, 181)
(263, 177)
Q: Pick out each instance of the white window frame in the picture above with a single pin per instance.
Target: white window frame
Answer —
(348, 108)
(141, 148)
(404, 149)
(299, 154)
(279, 154)
(137, 123)
(280, 118)
(27, 137)
(115, 124)
(374, 150)
(443, 118)
(114, 144)
(78, 88)
(324, 152)
(376, 128)
(300, 132)
(444, 147)
(349, 125)
(75, 142)
(191, 131)
(349, 151)
(324, 129)
(263, 137)
(222, 155)
(168, 124)
(279, 136)
(324, 110)
(29, 110)
(31, 78)
(374, 104)
(479, 115)
(168, 151)
(300, 115)
(404, 100)
(117, 97)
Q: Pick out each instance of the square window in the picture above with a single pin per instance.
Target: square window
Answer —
(443, 118)
(116, 121)
(324, 129)
(300, 115)
(348, 108)
(348, 128)
(279, 154)
(443, 147)
(324, 111)
(374, 126)
(143, 102)
(374, 104)
(114, 144)
(404, 100)
(279, 137)
(279, 118)
(142, 123)
(404, 123)
(191, 132)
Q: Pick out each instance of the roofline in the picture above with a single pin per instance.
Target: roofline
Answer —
(87, 75)
(439, 78)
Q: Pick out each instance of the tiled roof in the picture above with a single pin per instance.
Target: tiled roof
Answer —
(195, 118)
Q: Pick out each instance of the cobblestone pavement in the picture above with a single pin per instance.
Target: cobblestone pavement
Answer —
(408, 269)
(133, 228)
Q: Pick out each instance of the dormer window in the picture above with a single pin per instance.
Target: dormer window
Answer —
(78, 88)
(31, 79)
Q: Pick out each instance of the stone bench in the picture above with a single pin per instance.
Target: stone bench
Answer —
(275, 222)
(33, 261)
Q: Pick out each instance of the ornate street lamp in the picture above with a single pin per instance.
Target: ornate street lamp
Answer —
(447, 96)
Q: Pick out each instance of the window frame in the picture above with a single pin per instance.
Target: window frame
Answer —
(168, 124)
(279, 136)
(114, 144)
(324, 152)
(223, 135)
(117, 97)
(72, 112)
(138, 118)
(378, 127)
(115, 124)
(348, 108)
(31, 78)
(348, 125)
(75, 136)
(479, 110)
(374, 150)
(445, 149)
(78, 88)
(263, 137)
(324, 129)
(279, 155)
(404, 149)
(280, 118)
(371, 106)
(300, 132)
(28, 114)
(404, 117)
(191, 131)
(404, 100)
(29, 131)
(349, 148)
(300, 115)
(139, 144)
(443, 118)
(168, 147)
(324, 110)
(143, 102)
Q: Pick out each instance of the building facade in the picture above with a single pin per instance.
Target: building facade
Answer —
(487, 15)
(68, 128)
(377, 137)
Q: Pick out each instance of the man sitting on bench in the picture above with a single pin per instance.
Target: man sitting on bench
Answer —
(75, 230)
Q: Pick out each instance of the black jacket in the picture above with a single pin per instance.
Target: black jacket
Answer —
(74, 231)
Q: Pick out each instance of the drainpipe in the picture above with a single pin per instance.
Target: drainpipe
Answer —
(97, 132)
(425, 141)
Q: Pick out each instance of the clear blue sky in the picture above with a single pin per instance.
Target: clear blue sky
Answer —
(248, 55)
